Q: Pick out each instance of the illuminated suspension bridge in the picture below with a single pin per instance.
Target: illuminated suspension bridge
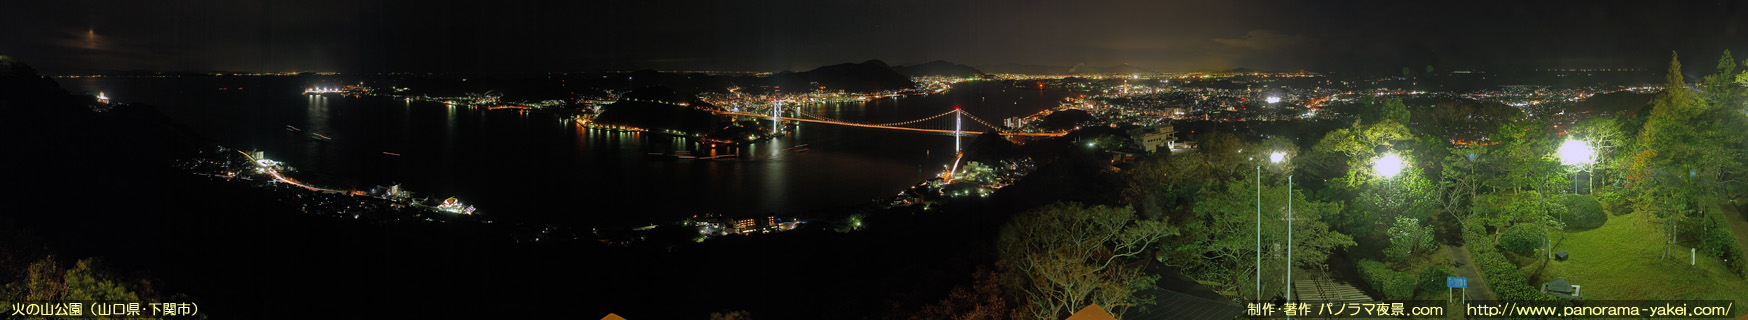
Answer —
(939, 123)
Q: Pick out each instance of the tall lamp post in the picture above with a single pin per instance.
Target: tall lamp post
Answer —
(1579, 154)
(1277, 158)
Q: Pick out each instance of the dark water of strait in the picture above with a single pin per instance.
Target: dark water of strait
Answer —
(532, 166)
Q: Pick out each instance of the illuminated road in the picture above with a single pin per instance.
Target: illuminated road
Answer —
(275, 173)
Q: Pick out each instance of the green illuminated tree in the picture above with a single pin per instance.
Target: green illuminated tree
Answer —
(1211, 196)
(85, 282)
(1348, 153)
(1720, 88)
(1170, 184)
(1521, 239)
(1690, 150)
(1407, 237)
(1066, 256)
(1742, 78)
(1219, 245)
(1505, 209)
(1523, 157)
(1609, 136)
(1395, 110)
(46, 280)
(1460, 182)
(1726, 122)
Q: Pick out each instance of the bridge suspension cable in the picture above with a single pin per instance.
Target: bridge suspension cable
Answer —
(921, 124)
(974, 118)
(889, 124)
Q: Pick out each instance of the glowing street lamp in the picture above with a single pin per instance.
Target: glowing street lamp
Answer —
(1279, 157)
(1577, 153)
(1387, 166)
(1276, 157)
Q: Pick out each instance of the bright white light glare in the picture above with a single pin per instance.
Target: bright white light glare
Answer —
(1274, 99)
(1388, 165)
(1277, 157)
(1576, 152)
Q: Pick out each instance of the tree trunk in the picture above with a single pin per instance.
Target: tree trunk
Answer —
(1666, 241)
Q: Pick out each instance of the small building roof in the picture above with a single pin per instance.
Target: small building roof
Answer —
(1560, 285)
(1091, 312)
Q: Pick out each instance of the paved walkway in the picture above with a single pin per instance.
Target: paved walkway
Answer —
(1478, 288)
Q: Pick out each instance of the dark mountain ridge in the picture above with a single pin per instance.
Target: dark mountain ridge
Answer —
(868, 76)
(939, 68)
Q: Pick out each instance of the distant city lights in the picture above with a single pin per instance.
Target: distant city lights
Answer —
(453, 205)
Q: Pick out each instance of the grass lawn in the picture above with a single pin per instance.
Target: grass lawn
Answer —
(1620, 261)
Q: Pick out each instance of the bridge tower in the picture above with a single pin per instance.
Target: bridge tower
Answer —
(776, 111)
(958, 126)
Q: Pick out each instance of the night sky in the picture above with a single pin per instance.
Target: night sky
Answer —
(60, 37)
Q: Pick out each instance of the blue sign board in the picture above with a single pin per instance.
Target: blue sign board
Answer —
(1457, 282)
